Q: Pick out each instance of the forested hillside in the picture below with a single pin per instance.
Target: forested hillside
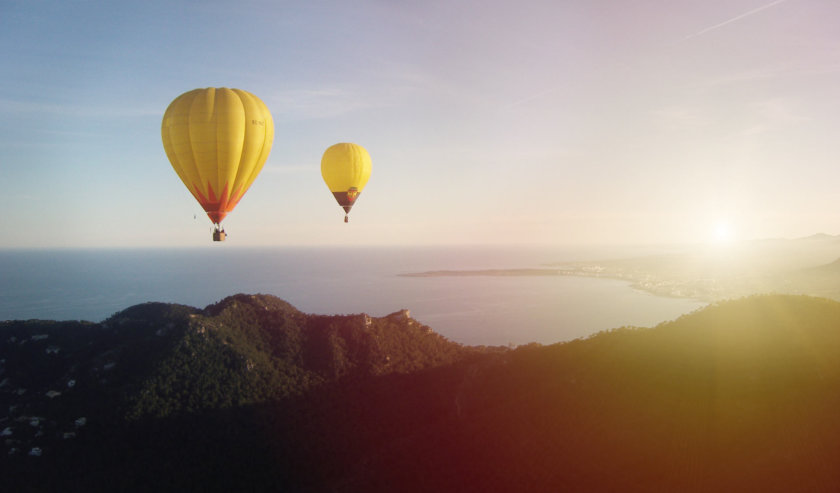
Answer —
(251, 394)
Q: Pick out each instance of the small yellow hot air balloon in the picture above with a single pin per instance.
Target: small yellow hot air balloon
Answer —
(346, 169)
(217, 140)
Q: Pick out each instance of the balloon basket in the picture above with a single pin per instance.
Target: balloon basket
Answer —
(219, 235)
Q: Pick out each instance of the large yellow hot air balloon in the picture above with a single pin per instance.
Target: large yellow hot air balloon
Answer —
(217, 139)
(346, 169)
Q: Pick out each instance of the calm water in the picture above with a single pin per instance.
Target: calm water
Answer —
(93, 284)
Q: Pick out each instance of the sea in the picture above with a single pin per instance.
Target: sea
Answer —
(93, 284)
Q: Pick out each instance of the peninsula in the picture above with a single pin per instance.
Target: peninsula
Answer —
(802, 266)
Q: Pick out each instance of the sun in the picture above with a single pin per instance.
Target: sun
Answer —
(723, 233)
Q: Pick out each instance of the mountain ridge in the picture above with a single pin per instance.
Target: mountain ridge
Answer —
(737, 396)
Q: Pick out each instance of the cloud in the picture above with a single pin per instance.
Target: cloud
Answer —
(316, 103)
(11, 106)
(383, 85)
(771, 114)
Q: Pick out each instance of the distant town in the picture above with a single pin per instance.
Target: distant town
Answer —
(801, 266)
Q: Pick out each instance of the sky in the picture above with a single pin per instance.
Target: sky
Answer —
(488, 122)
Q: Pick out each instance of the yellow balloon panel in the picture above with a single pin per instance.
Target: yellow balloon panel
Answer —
(217, 141)
(345, 166)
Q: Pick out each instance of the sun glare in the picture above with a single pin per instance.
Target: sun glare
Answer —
(722, 233)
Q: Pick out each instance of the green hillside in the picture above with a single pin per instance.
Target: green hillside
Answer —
(251, 394)
(741, 396)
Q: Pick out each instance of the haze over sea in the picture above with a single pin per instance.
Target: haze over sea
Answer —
(94, 284)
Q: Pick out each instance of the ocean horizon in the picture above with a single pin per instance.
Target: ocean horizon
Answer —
(93, 284)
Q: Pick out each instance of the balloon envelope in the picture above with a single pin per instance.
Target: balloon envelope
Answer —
(217, 140)
(346, 170)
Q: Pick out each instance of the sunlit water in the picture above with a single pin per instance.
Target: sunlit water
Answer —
(93, 284)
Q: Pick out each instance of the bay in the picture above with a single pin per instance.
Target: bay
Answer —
(94, 284)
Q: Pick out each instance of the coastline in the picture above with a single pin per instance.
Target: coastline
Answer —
(798, 267)
(707, 292)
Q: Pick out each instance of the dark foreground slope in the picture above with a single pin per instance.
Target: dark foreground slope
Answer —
(741, 396)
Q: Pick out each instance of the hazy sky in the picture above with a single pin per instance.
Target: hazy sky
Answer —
(556, 121)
